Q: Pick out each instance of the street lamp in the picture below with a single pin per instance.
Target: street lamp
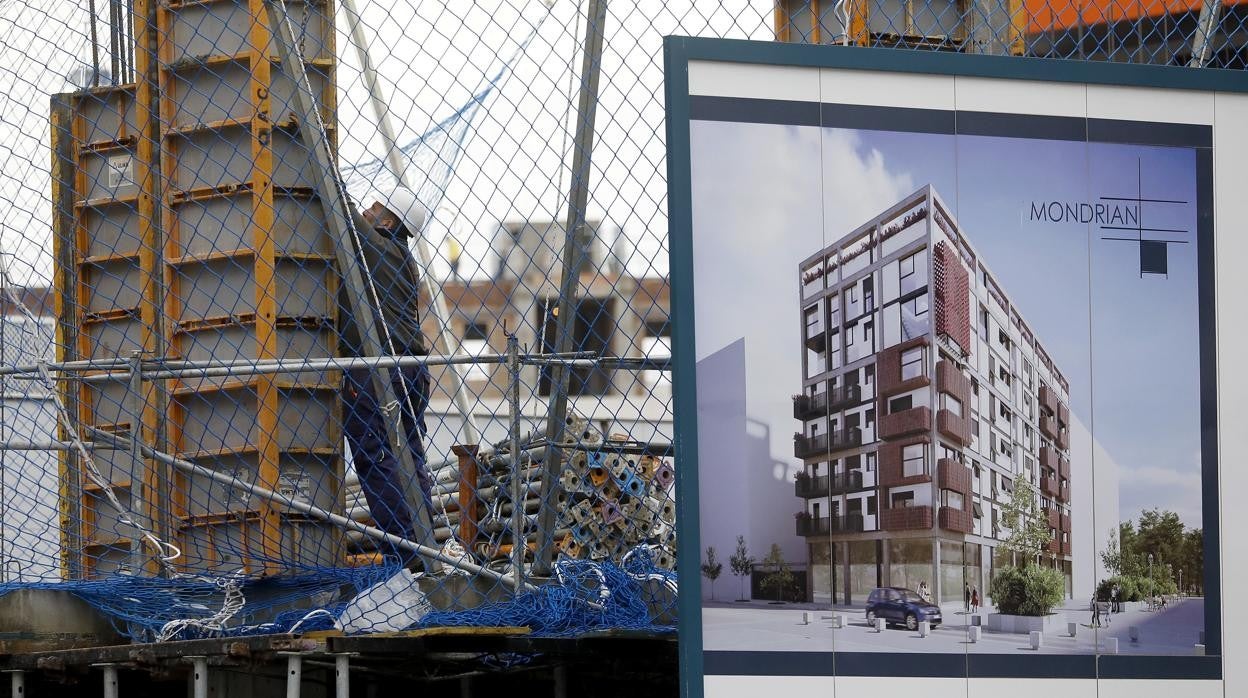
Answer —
(1150, 565)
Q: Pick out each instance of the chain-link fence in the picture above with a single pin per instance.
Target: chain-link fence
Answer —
(240, 397)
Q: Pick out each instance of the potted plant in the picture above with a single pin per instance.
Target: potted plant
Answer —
(1025, 594)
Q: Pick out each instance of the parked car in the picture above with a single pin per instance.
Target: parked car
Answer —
(900, 606)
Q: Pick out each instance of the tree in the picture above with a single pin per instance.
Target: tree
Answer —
(712, 568)
(1029, 530)
(742, 564)
(781, 577)
(1111, 556)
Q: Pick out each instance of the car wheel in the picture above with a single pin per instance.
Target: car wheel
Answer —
(912, 621)
(870, 617)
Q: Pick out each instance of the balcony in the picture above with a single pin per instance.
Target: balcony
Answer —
(1049, 486)
(844, 395)
(813, 446)
(952, 381)
(807, 487)
(1048, 427)
(818, 341)
(1063, 415)
(1063, 494)
(1065, 522)
(953, 427)
(956, 520)
(906, 518)
(846, 482)
(810, 446)
(888, 369)
(1065, 549)
(826, 525)
(1063, 440)
(892, 469)
(1054, 546)
(810, 407)
(1055, 520)
(952, 475)
(1048, 399)
(1049, 457)
(905, 422)
(1063, 467)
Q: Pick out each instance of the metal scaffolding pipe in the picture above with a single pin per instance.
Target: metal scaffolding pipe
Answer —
(327, 516)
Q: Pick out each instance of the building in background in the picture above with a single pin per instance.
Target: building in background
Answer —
(926, 399)
(1148, 31)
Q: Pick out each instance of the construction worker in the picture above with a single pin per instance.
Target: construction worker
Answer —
(384, 229)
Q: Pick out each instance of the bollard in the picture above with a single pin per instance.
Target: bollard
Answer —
(924, 628)
(1110, 646)
(1202, 638)
(805, 617)
(1134, 632)
(838, 620)
(977, 620)
(974, 631)
(879, 625)
(1200, 651)
(1072, 628)
(1037, 639)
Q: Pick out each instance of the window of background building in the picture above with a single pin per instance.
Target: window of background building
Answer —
(656, 344)
(912, 460)
(868, 293)
(871, 505)
(870, 417)
(476, 343)
(899, 404)
(871, 462)
(911, 363)
(901, 500)
(591, 332)
(952, 499)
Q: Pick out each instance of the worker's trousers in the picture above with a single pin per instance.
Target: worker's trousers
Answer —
(381, 474)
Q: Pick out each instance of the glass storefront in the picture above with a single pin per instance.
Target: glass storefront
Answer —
(822, 572)
(863, 568)
(910, 562)
(952, 573)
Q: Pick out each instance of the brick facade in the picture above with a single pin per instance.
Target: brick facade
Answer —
(888, 371)
(906, 519)
(890, 465)
(911, 421)
(952, 297)
(952, 475)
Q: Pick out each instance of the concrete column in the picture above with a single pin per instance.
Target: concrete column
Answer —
(936, 570)
(884, 562)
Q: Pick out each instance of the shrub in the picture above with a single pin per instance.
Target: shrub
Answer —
(1134, 587)
(1027, 591)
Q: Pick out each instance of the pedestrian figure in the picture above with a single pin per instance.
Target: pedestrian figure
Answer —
(1114, 597)
(975, 600)
(923, 591)
(966, 596)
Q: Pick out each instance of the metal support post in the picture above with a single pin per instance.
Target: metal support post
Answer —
(199, 677)
(17, 681)
(591, 69)
(342, 675)
(364, 299)
(1206, 24)
(138, 558)
(398, 170)
(294, 674)
(518, 539)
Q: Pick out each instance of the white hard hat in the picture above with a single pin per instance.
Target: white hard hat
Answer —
(406, 206)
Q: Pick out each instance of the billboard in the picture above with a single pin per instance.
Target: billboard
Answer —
(948, 389)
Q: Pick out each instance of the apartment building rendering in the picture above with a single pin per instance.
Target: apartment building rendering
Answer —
(926, 399)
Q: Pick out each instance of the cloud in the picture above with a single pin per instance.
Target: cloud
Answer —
(1153, 487)
(858, 183)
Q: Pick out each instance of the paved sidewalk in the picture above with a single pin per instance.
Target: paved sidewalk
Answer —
(759, 626)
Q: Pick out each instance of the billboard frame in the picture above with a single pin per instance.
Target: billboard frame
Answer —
(678, 53)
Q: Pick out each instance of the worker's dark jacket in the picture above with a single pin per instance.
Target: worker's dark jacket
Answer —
(388, 260)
